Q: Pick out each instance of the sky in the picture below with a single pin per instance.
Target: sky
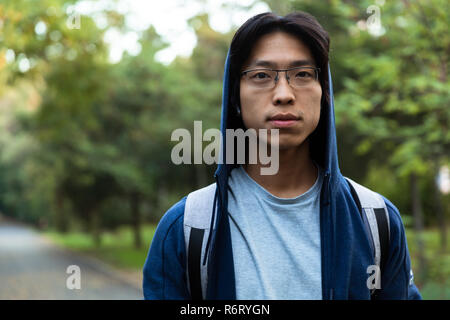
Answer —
(169, 18)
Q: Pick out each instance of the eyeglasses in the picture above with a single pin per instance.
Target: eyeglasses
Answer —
(267, 78)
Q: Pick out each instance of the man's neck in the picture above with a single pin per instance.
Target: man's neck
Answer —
(296, 175)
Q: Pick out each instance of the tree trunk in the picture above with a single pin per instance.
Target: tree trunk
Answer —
(61, 222)
(418, 222)
(95, 227)
(136, 219)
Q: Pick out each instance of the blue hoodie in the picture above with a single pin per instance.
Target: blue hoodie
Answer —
(345, 248)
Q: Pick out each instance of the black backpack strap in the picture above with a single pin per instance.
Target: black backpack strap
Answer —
(383, 231)
(196, 223)
(194, 257)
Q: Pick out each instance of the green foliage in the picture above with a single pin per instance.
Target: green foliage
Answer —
(85, 141)
(397, 90)
(98, 133)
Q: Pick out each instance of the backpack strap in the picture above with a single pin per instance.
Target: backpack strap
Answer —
(375, 216)
(197, 219)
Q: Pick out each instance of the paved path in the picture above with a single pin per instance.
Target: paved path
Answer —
(33, 268)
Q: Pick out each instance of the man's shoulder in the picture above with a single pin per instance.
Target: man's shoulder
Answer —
(172, 217)
(199, 207)
(395, 218)
(202, 193)
(367, 197)
(379, 200)
(192, 203)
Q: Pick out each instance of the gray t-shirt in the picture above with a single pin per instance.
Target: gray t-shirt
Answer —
(276, 241)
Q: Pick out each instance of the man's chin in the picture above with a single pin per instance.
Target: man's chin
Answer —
(284, 141)
(285, 144)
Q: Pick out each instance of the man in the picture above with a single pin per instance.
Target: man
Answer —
(297, 234)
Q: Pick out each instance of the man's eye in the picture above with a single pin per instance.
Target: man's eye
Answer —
(303, 74)
(261, 75)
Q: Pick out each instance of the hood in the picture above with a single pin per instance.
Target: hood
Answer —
(323, 140)
(323, 150)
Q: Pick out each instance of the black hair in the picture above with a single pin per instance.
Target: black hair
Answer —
(300, 24)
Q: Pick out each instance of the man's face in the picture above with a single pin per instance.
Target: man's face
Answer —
(259, 106)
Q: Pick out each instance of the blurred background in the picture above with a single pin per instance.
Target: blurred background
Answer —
(90, 92)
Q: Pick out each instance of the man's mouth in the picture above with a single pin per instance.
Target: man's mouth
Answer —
(283, 120)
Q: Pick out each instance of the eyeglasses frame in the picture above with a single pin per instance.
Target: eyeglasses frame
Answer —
(316, 72)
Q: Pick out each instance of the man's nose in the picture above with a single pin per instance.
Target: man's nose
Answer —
(283, 92)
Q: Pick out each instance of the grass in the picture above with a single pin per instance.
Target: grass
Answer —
(118, 250)
(116, 247)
